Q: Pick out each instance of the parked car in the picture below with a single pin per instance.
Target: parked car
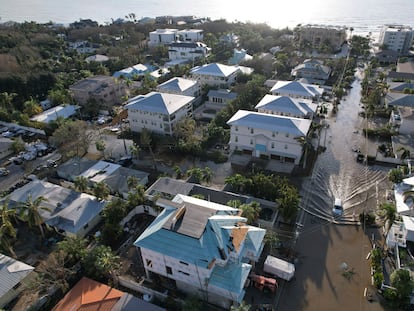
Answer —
(8, 134)
(28, 156)
(16, 160)
(4, 171)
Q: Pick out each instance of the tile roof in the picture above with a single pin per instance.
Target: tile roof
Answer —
(268, 122)
(12, 272)
(163, 103)
(89, 295)
(286, 104)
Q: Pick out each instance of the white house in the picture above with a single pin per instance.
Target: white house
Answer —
(404, 202)
(14, 275)
(272, 136)
(63, 111)
(296, 89)
(169, 35)
(206, 249)
(190, 35)
(158, 112)
(136, 70)
(398, 38)
(189, 51)
(162, 36)
(286, 106)
(180, 86)
(215, 74)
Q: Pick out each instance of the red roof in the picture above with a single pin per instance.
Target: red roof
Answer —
(89, 295)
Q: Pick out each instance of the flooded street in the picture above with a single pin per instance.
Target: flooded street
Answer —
(325, 244)
(336, 173)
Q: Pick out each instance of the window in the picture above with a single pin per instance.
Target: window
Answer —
(286, 146)
(236, 128)
(273, 134)
(287, 134)
(86, 226)
(236, 139)
(183, 263)
(273, 145)
(169, 270)
(185, 273)
(251, 141)
(251, 131)
(149, 263)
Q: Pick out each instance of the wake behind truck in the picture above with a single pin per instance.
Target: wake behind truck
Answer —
(278, 267)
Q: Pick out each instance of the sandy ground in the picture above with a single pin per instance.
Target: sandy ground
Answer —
(319, 284)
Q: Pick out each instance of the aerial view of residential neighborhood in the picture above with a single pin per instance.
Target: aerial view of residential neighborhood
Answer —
(185, 163)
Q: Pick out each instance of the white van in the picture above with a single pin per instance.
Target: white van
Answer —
(337, 208)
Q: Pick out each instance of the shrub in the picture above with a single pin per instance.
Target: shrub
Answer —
(378, 279)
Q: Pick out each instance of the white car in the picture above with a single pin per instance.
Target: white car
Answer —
(337, 209)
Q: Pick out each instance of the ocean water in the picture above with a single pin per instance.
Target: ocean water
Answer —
(363, 15)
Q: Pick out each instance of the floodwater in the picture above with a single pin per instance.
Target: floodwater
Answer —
(336, 173)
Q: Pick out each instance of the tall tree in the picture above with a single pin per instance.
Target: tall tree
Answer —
(7, 229)
(388, 213)
(81, 183)
(251, 211)
(289, 203)
(30, 212)
(101, 190)
(74, 249)
(101, 263)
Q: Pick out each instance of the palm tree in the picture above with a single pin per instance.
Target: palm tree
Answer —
(251, 211)
(388, 213)
(74, 248)
(101, 263)
(101, 190)
(30, 212)
(241, 307)
(289, 203)
(134, 150)
(81, 183)
(7, 230)
(177, 170)
(7, 214)
(136, 196)
(132, 182)
(207, 174)
(306, 143)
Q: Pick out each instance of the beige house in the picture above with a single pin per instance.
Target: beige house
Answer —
(106, 91)
(318, 35)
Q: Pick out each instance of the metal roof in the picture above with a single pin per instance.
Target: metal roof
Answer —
(68, 210)
(227, 94)
(163, 103)
(11, 273)
(286, 104)
(215, 69)
(177, 84)
(269, 122)
(129, 302)
(296, 88)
